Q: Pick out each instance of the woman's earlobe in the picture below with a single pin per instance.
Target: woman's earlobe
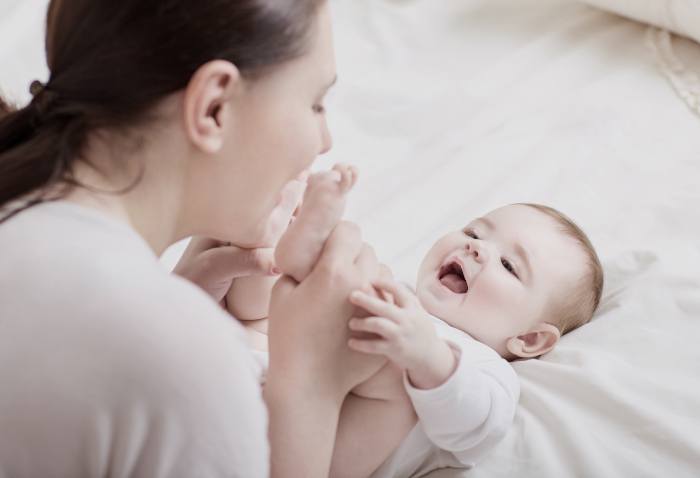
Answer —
(539, 340)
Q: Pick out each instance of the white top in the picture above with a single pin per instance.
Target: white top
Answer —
(111, 366)
(462, 419)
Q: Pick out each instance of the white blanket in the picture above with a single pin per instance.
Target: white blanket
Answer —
(453, 107)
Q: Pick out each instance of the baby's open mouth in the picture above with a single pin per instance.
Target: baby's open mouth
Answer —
(451, 276)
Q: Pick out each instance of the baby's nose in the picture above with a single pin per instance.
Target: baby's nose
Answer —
(476, 249)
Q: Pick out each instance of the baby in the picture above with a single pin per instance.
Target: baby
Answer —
(505, 287)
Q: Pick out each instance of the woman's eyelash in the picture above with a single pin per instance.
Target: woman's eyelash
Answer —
(319, 109)
(509, 267)
(471, 233)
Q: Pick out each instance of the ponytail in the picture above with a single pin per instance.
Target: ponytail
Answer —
(37, 146)
(5, 109)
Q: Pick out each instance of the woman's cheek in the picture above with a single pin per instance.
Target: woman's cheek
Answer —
(307, 142)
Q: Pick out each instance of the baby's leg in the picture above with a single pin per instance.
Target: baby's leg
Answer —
(376, 417)
(322, 209)
(369, 431)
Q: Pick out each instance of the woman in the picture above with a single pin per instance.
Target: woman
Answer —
(163, 120)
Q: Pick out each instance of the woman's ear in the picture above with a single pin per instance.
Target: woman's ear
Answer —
(537, 341)
(205, 104)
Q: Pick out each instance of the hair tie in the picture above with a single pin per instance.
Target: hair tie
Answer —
(42, 97)
(36, 88)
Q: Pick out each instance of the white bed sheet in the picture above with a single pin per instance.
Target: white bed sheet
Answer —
(454, 107)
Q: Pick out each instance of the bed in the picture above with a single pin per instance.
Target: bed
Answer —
(454, 107)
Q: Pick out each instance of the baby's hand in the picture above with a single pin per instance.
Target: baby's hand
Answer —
(405, 333)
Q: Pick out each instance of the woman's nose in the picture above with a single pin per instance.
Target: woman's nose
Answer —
(326, 138)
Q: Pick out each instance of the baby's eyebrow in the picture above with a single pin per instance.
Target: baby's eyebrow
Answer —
(522, 253)
(486, 221)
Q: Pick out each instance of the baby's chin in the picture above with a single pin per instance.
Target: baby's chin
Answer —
(435, 306)
(442, 310)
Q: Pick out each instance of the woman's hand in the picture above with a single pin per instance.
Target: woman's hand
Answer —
(308, 329)
(312, 369)
(213, 265)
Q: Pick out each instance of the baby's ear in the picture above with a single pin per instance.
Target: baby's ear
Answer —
(539, 340)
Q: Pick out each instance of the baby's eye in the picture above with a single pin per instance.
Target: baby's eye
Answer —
(319, 109)
(471, 234)
(509, 267)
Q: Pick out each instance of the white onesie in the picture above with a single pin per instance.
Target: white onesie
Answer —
(459, 421)
(462, 419)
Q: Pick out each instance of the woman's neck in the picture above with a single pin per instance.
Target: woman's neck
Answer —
(143, 193)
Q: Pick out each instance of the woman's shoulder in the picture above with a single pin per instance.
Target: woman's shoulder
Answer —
(94, 303)
(84, 267)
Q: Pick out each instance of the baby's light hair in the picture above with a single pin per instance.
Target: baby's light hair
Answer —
(579, 306)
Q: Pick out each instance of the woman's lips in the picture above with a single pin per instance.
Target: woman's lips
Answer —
(451, 276)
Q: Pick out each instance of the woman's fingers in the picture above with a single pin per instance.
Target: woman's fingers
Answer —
(283, 289)
(198, 244)
(233, 262)
(373, 305)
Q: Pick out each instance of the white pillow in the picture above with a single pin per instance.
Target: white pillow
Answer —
(680, 16)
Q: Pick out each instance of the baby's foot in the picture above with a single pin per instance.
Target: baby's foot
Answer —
(280, 217)
(321, 210)
(324, 200)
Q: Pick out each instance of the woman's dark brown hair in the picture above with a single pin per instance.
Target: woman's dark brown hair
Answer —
(112, 61)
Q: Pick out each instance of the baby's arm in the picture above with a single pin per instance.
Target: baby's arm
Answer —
(466, 407)
(471, 412)
(321, 210)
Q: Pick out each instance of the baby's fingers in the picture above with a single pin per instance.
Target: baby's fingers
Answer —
(401, 294)
(381, 326)
(369, 346)
(373, 305)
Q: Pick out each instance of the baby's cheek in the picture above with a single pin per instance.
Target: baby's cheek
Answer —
(444, 248)
(493, 290)
(498, 301)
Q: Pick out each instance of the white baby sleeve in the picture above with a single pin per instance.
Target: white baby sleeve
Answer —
(471, 412)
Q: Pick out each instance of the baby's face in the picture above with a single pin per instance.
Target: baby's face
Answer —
(499, 276)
